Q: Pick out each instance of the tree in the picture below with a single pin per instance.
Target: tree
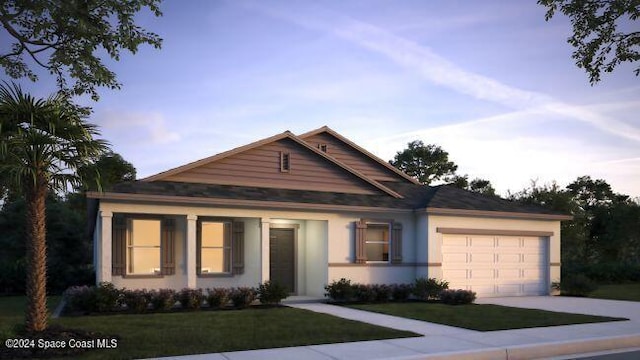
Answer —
(108, 170)
(426, 163)
(67, 38)
(482, 186)
(42, 143)
(600, 45)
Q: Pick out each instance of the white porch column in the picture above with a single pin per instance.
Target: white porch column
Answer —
(191, 251)
(264, 254)
(103, 256)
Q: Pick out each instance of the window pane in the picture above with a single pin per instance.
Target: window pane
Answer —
(377, 233)
(377, 251)
(212, 234)
(143, 260)
(215, 260)
(145, 232)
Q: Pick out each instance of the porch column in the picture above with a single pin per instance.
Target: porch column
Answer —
(264, 254)
(103, 256)
(191, 251)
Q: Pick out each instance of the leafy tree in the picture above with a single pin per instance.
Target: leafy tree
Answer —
(426, 163)
(477, 185)
(599, 36)
(67, 38)
(108, 170)
(42, 143)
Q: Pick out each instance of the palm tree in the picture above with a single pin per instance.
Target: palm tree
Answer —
(42, 144)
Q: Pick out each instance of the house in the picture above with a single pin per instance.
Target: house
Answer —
(308, 209)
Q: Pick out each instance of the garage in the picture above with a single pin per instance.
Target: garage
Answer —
(507, 264)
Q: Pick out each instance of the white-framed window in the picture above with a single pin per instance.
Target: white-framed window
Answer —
(143, 252)
(285, 162)
(215, 248)
(377, 242)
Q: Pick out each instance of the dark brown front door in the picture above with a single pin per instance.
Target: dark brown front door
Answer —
(282, 257)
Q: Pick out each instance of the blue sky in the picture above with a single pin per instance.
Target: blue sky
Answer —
(489, 81)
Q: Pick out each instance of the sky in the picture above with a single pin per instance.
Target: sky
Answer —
(491, 82)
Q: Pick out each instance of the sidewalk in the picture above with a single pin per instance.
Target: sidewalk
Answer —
(446, 342)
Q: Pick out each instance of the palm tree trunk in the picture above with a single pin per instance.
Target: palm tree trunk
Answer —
(36, 314)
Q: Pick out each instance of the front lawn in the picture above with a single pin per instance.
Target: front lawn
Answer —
(628, 292)
(480, 317)
(181, 333)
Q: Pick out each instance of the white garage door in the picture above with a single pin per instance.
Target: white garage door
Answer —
(496, 265)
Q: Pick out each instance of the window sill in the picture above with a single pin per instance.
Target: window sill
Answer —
(215, 275)
(143, 276)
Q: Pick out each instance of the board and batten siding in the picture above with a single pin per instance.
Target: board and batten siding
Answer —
(261, 167)
(347, 155)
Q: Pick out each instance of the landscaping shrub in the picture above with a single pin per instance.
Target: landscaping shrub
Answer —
(339, 291)
(429, 288)
(401, 292)
(576, 285)
(107, 297)
(190, 299)
(242, 297)
(80, 299)
(137, 300)
(382, 292)
(218, 298)
(457, 297)
(163, 299)
(272, 292)
(364, 293)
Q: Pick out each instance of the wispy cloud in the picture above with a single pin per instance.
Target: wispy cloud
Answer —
(140, 127)
(439, 70)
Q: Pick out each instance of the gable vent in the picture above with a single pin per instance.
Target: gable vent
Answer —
(285, 162)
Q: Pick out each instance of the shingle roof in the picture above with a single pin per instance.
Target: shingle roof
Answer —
(415, 196)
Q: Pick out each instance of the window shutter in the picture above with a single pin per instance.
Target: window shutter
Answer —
(237, 248)
(118, 245)
(396, 243)
(198, 247)
(361, 245)
(168, 247)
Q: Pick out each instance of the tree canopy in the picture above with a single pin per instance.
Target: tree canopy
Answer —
(601, 38)
(426, 163)
(68, 38)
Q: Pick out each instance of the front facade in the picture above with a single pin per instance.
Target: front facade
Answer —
(306, 210)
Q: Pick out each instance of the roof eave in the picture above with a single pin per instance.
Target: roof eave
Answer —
(495, 214)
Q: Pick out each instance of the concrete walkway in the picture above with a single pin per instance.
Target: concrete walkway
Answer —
(446, 342)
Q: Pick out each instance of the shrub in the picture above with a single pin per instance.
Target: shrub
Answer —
(137, 300)
(382, 292)
(242, 297)
(401, 292)
(163, 299)
(80, 299)
(429, 288)
(457, 297)
(218, 298)
(107, 297)
(190, 299)
(576, 285)
(272, 292)
(364, 293)
(340, 291)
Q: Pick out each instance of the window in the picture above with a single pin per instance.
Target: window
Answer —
(285, 162)
(377, 242)
(215, 247)
(322, 147)
(142, 245)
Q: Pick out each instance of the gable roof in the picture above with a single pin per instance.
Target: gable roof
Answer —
(163, 176)
(373, 158)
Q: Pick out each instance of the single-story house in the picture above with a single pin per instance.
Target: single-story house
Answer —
(304, 210)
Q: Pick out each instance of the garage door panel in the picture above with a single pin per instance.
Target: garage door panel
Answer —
(496, 265)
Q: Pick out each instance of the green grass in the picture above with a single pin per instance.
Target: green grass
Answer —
(181, 333)
(628, 292)
(480, 317)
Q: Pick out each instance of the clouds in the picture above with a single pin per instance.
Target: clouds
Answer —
(139, 128)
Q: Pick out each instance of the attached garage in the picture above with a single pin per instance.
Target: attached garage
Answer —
(496, 265)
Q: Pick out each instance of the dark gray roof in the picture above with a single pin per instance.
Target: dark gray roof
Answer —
(415, 196)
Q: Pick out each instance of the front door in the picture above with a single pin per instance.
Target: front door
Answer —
(282, 257)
